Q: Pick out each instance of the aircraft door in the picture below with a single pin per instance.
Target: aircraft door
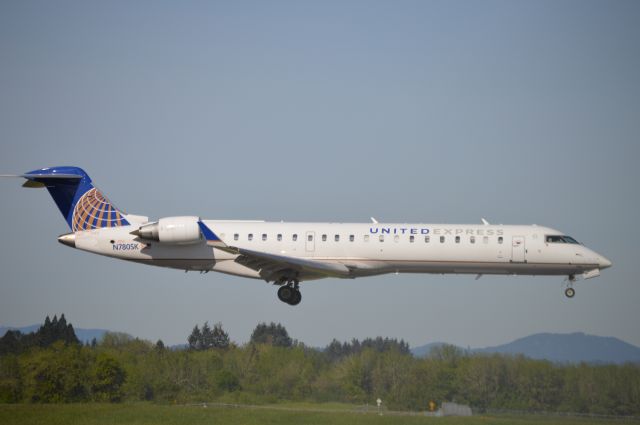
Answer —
(518, 249)
(310, 241)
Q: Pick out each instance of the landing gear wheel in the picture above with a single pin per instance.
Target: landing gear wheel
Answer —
(297, 297)
(569, 292)
(285, 294)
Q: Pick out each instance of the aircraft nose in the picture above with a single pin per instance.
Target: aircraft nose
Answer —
(603, 262)
(68, 239)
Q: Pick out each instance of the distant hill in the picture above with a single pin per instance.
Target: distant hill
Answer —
(564, 348)
(572, 348)
(84, 335)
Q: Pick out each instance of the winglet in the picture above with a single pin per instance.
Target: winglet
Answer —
(212, 238)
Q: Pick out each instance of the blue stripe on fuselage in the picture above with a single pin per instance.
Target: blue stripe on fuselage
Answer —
(208, 234)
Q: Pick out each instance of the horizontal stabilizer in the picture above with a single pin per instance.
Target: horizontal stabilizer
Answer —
(33, 184)
(38, 180)
(34, 176)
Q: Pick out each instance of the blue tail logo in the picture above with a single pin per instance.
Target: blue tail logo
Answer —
(82, 205)
(93, 211)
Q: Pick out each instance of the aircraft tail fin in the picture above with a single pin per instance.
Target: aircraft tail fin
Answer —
(82, 205)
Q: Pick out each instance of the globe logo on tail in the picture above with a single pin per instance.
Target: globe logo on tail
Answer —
(93, 211)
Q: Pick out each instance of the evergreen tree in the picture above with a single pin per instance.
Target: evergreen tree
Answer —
(160, 346)
(207, 337)
(11, 342)
(272, 334)
(70, 335)
(47, 334)
(220, 337)
(334, 351)
(195, 339)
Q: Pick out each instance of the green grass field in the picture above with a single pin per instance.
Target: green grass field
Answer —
(107, 414)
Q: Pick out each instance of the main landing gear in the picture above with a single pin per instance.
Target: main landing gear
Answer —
(290, 293)
(569, 292)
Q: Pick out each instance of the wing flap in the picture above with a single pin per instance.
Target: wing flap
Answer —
(295, 263)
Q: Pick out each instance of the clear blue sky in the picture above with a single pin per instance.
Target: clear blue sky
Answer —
(425, 111)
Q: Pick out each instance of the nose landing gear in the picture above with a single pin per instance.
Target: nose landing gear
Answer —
(290, 293)
(569, 292)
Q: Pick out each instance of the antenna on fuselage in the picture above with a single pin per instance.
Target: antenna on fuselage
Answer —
(485, 222)
(374, 220)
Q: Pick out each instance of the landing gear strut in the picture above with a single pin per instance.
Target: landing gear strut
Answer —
(569, 292)
(290, 293)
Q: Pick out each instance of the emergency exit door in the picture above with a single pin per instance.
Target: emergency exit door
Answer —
(310, 242)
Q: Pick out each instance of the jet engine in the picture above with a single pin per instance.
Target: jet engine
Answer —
(172, 230)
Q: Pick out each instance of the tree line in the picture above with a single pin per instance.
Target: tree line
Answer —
(273, 367)
(49, 332)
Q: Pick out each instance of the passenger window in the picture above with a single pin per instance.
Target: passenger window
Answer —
(279, 237)
(352, 238)
(250, 236)
(485, 239)
(472, 239)
(500, 239)
(457, 239)
(324, 238)
(381, 238)
(310, 238)
(264, 236)
(441, 239)
(427, 239)
(337, 238)
(366, 238)
(396, 238)
(294, 237)
(411, 238)
(236, 236)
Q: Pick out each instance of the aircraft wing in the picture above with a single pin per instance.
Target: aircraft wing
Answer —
(270, 265)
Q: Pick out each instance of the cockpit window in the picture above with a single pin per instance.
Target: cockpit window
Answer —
(561, 239)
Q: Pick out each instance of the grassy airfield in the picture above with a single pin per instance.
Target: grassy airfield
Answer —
(311, 414)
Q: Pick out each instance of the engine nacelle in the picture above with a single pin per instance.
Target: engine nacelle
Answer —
(172, 230)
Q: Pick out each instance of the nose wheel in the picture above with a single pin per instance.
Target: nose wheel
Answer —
(569, 292)
(290, 293)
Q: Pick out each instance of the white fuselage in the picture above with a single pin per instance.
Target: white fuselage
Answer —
(364, 248)
(289, 253)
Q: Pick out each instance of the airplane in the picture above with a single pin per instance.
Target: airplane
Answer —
(287, 254)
